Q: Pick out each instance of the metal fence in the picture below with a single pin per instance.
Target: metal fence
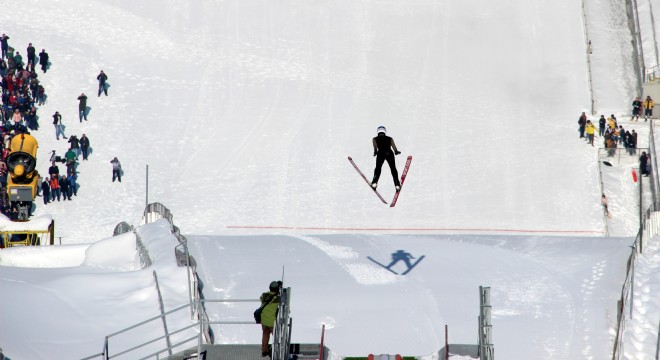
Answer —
(638, 50)
(486, 347)
(168, 341)
(621, 156)
(655, 185)
(282, 331)
(650, 228)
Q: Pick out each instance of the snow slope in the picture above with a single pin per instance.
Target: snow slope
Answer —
(265, 101)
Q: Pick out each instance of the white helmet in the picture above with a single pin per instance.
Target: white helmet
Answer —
(381, 129)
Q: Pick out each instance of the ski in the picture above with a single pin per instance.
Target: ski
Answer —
(367, 181)
(383, 266)
(413, 265)
(403, 178)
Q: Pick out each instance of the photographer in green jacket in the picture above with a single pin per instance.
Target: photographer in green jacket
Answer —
(270, 301)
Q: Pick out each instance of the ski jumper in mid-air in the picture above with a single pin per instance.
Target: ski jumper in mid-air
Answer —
(383, 146)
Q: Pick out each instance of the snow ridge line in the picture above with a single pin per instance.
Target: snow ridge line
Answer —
(267, 227)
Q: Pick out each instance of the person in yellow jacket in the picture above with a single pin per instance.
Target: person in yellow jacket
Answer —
(648, 108)
(270, 302)
(590, 129)
(611, 123)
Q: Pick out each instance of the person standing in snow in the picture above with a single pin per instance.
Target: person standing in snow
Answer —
(636, 108)
(75, 145)
(601, 125)
(4, 45)
(55, 188)
(603, 200)
(116, 169)
(31, 54)
(43, 60)
(84, 146)
(590, 129)
(582, 122)
(3, 68)
(648, 108)
(70, 157)
(59, 128)
(18, 61)
(73, 184)
(620, 134)
(643, 164)
(10, 58)
(610, 144)
(64, 188)
(270, 302)
(102, 77)
(82, 107)
(45, 190)
(383, 146)
(53, 170)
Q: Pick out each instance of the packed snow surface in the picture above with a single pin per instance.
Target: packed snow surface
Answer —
(245, 113)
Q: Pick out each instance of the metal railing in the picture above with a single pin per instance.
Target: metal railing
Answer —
(282, 331)
(655, 184)
(650, 228)
(154, 349)
(486, 347)
(121, 228)
(152, 213)
(282, 326)
(588, 52)
(638, 51)
(657, 343)
(171, 340)
(621, 156)
(143, 253)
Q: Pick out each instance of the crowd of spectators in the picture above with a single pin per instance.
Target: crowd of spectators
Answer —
(22, 94)
(614, 136)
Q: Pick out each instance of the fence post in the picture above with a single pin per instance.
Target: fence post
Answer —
(106, 356)
(485, 325)
(162, 314)
(446, 342)
(321, 355)
(641, 212)
(632, 281)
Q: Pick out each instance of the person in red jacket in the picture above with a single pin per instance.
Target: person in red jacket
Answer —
(55, 188)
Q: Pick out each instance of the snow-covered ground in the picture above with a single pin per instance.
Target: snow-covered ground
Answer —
(245, 113)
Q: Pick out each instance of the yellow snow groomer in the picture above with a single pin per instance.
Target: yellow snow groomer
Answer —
(23, 179)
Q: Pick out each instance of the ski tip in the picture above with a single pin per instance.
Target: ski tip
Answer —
(350, 158)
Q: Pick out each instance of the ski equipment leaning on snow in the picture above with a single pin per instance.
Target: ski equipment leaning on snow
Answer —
(383, 146)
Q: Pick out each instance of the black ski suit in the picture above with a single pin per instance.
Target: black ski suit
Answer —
(383, 146)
